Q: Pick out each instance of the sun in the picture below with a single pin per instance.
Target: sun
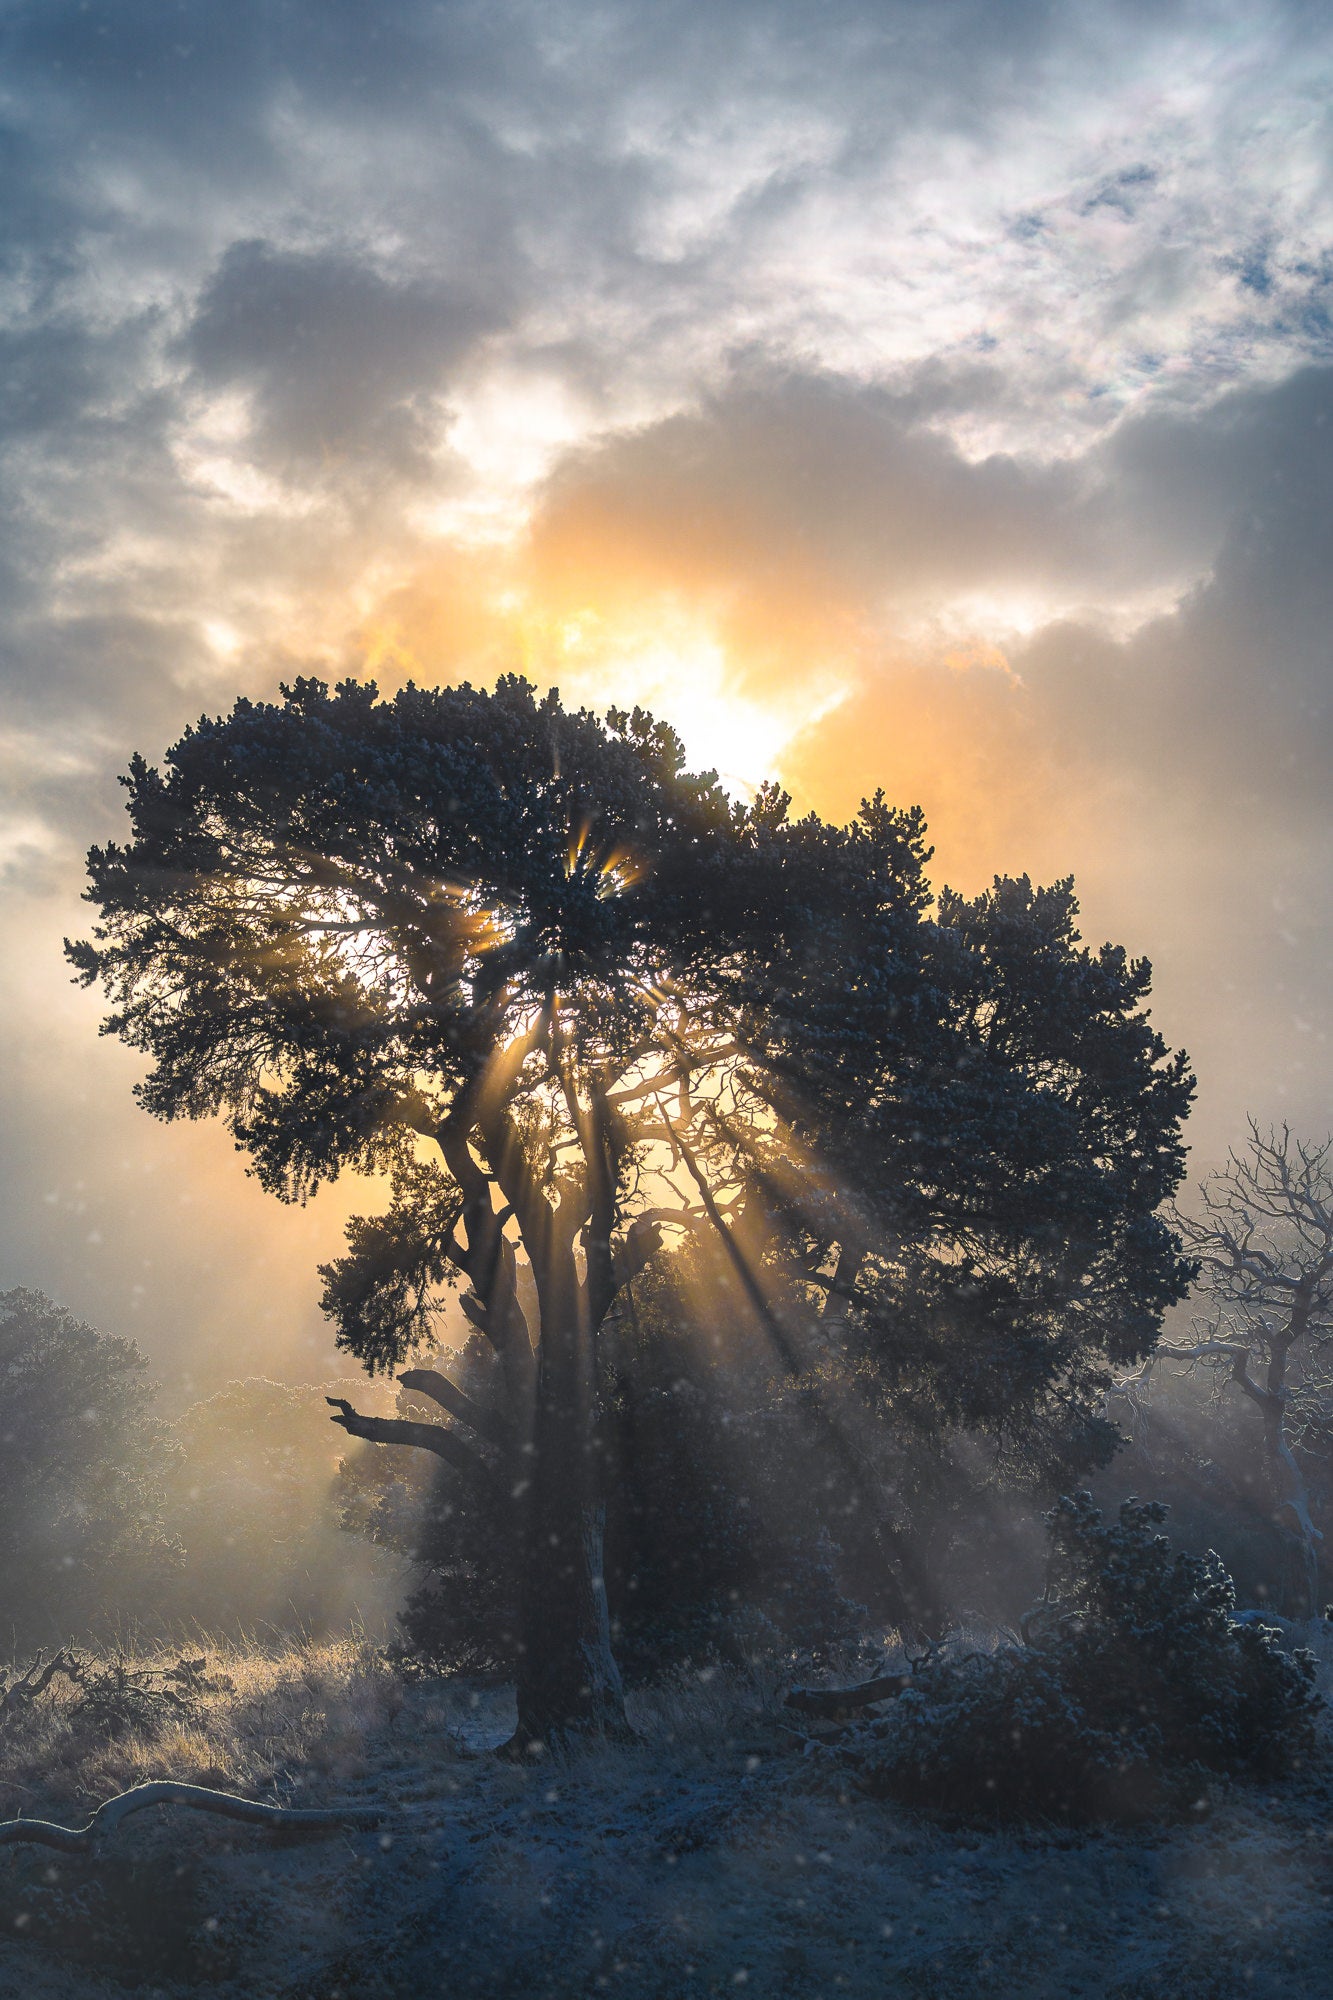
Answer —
(680, 671)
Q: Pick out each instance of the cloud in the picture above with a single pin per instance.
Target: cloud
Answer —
(926, 395)
(1117, 663)
(1172, 570)
(341, 360)
(1230, 696)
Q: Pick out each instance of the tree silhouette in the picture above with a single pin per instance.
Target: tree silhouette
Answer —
(567, 994)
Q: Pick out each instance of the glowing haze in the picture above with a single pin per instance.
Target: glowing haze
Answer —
(935, 396)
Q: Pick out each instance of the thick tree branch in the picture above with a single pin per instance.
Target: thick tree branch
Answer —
(640, 1242)
(599, 1131)
(435, 1438)
(1234, 1351)
(840, 1289)
(831, 1704)
(513, 1170)
(488, 1424)
(474, 1311)
(488, 1259)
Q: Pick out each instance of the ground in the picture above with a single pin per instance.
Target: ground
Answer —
(713, 1856)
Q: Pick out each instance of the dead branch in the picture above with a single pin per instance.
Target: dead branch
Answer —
(488, 1424)
(18, 1695)
(167, 1792)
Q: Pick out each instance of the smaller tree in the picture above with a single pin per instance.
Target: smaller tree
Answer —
(1263, 1239)
(83, 1462)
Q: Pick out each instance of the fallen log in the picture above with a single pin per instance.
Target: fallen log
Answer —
(833, 1704)
(167, 1792)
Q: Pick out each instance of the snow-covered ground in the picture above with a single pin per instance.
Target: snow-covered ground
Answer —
(710, 1857)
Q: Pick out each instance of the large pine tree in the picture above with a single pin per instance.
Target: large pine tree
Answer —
(568, 995)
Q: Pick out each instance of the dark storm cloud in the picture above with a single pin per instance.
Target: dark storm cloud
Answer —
(47, 374)
(1236, 684)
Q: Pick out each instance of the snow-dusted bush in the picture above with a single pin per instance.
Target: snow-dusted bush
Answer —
(1133, 1682)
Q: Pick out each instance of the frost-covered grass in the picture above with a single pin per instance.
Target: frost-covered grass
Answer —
(711, 1856)
(263, 1720)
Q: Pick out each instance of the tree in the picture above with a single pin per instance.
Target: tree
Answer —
(568, 995)
(83, 1462)
(1264, 1243)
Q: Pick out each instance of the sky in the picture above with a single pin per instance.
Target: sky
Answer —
(936, 396)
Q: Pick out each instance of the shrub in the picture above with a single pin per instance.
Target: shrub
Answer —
(1134, 1681)
(118, 1695)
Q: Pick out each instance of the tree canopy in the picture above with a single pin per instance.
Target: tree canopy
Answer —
(570, 995)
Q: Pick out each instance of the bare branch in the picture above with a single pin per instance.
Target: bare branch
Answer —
(1239, 1356)
(20, 1694)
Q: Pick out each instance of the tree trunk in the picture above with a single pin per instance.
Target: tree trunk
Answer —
(568, 1680)
(1299, 1583)
(1300, 1578)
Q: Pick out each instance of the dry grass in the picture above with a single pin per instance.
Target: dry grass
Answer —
(319, 1717)
(266, 1721)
